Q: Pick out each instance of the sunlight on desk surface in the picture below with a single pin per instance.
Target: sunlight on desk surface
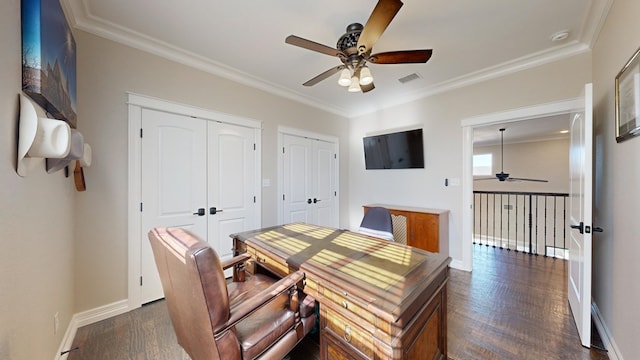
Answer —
(385, 250)
(357, 269)
(310, 230)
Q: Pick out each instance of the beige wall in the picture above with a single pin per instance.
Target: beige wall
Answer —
(106, 71)
(547, 160)
(440, 116)
(66, 252)
(37, 222)
(616, 252)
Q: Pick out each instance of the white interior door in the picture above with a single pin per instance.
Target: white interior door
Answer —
(324, 187)
(232, 170)
(174, 184)
(310, 181)
(297, 179)
(580, 217)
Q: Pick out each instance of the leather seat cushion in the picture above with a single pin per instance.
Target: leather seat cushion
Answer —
(242, 291)
(264, 327)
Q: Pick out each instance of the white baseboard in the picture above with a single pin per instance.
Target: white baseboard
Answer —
(458, 264)
(605, 334)
(89, 317)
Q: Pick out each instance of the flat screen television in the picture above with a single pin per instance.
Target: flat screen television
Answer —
(399, 150)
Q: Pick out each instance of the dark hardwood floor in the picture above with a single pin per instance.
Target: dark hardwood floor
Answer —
(512, 306)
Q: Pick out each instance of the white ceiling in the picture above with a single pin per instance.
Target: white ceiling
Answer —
(472, 40)
(540, 129)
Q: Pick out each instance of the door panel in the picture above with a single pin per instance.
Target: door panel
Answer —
(580, 217)
(232, 184)
(297, 179)
(171, 145)
(324, 183)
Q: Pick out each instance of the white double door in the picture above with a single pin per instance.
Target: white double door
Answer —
(196, 174)
(310, 181)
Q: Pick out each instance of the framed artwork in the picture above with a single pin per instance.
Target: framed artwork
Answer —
(627, 96)
(49, 59)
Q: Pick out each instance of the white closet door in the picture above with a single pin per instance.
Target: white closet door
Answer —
(309, 181)
(324, 183)
(232, 184)
(297, 176)
(173, 184)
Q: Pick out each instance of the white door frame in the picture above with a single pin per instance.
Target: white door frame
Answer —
(282, 130)
(468, 124)
(136, 103)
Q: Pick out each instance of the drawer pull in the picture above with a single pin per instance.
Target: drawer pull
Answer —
(347, 333)
(345, 304)
(261, 260)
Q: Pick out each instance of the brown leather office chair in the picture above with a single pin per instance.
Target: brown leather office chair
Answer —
(260, 318)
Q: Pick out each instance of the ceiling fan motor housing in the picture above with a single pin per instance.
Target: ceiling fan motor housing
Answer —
(348, 42)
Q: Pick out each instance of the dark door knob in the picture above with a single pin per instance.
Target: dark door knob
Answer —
(200, 212)
(579, 227)
(214, 210)
(308, 201)
(316, 200)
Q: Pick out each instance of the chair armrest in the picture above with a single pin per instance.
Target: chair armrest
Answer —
(245, 308)
(235, 260)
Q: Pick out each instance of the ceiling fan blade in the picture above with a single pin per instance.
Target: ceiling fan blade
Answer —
(487, 178)
(313, 46)
(379, 19)
(324, 75)
(401, 57)
(526, 179)
(367, 88)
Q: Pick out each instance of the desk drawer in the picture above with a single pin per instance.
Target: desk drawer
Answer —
(351, 335)
(346, 301)
(267, 262)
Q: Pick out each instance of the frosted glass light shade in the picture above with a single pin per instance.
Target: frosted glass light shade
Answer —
(345, 78)
(365, 76)
(355, 85)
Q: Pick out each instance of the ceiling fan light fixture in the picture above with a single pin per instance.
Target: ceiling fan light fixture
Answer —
(345, 77)
(355, 84)
(365, 76)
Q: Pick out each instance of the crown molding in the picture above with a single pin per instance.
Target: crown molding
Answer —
(79, 16)
(81, 19)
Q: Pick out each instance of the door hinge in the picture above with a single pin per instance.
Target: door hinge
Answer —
(335, 156)
(282, 197)
(140, 280)
(283, 149)
(140, 207)
(335, 193)
(254, 199)
(254, 146)
(141, 133)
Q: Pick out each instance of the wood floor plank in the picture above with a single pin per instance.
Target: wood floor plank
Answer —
(512, 306)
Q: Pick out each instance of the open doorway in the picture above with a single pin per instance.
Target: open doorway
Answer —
(521, 185)
(492, 122)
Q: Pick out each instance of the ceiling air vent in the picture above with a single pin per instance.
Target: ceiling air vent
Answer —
(409, 77)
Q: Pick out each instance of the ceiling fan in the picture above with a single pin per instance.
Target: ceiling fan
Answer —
(502, 176)
(354, 49)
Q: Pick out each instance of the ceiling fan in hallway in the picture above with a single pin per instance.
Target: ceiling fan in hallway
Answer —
(354, 50)
(502, 176)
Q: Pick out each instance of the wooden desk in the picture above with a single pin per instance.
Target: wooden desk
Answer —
(378, 299)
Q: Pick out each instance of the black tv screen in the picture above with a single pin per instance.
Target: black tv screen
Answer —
(400, 150)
